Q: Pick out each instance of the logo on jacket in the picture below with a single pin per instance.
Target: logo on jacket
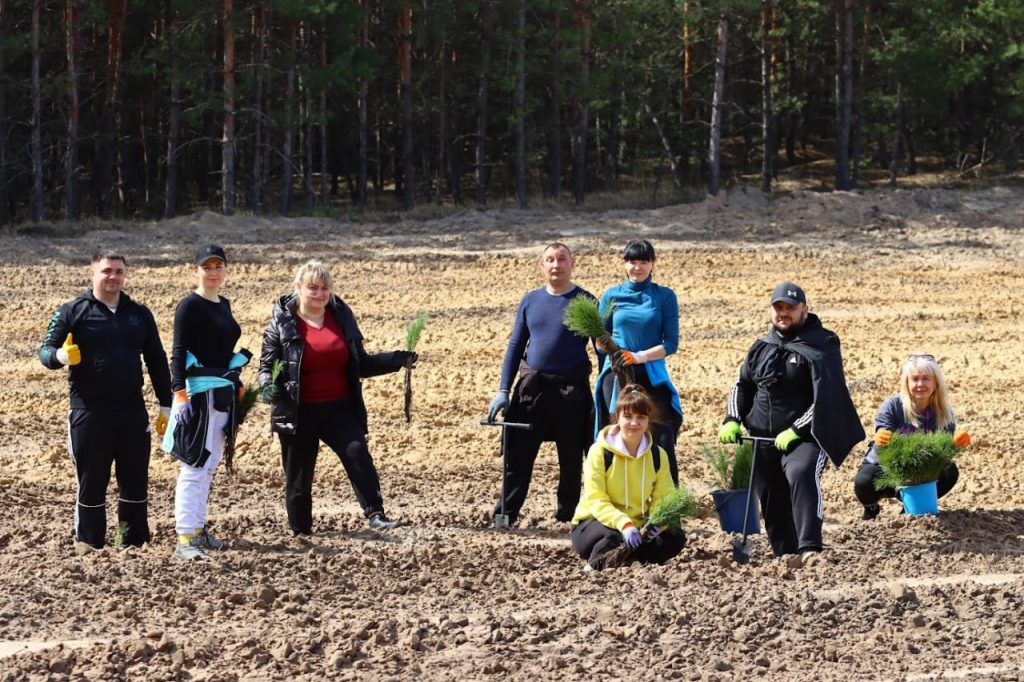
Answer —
(134, 321)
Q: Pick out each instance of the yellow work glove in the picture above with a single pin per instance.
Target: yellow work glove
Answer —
(785, 439)
(729, 432)
(69, 353)
(882, 437)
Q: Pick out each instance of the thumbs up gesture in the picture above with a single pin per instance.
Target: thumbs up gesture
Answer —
(69, 354)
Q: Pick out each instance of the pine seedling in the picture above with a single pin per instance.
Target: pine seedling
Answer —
(119, 533)
(732, 469)
(583, 318)
(413, 330)
(668, 512)
(914, 458)
(719, 461)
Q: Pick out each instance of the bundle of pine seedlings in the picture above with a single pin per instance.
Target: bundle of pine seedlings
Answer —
(413, 330)
(668, 513)
(583, 318)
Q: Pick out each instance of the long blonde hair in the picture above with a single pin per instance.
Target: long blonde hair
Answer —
(939, 402)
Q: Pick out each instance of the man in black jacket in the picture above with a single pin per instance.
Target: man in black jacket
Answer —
(99, 335)
(792, 388)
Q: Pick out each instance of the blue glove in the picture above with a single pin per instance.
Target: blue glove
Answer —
(182, 409)
(631, 536)
(499, 404)
(785, 439)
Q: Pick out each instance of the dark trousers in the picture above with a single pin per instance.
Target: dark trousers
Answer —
(864, 483)
(789, 489)
(556, 415)
(666, 430)
(337, 425)
(592, 539)
(98, 439)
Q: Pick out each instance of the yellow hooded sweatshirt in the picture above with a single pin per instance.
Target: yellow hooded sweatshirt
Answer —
(625, 492)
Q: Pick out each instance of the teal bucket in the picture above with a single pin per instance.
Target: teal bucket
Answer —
(920, 499)
(730, 507)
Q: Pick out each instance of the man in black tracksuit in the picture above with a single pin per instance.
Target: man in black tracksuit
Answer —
(792, 388)
(99, 336)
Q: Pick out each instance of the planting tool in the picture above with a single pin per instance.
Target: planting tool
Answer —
(501, 518)
(741, 547)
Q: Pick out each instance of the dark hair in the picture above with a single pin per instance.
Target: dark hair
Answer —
(558, 245)
(100, 253)
(638, 249)
(633, 399)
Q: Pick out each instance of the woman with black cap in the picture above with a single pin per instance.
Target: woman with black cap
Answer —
(643, 319)
(205, 378)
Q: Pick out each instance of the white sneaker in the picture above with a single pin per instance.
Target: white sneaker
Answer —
(190, 552)
(203, 538)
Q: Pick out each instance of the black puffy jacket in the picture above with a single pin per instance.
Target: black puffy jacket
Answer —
(281, 341)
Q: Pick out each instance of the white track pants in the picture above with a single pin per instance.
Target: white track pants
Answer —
(192, 494)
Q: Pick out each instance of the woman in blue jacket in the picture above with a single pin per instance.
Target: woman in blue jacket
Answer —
(644, 322)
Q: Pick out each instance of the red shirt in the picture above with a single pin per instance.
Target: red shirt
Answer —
(324, 373)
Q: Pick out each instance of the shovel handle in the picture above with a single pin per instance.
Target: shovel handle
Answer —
(755, 439)
(511, 425)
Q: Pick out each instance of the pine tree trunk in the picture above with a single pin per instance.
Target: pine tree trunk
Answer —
(307, 146)
(686, 109)
(37, 107)
(715, 145)
(481, 106)
(441, 161)
(287, 150)
(555, 128)
(72, 205)
(520, 103)
(844, 90)
(858, 127)
(107, 143)
(174, 124)
(325, 178)
(665, 145)
(363, 107)
(405, 65)
(615, 123)
(894, 164)
(228, 141)
(4, 196)
(767, 109)
(260, 40)
(582, 106)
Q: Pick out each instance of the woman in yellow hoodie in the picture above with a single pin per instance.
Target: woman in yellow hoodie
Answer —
(624, 476)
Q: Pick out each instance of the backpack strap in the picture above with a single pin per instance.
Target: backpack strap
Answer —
(656, 452)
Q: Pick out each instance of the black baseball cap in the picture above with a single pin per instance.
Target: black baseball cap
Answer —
(788, 292)
(208, 251)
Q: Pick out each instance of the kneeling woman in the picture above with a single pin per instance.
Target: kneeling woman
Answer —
(317, 395)
(625, 475)
(921, 405)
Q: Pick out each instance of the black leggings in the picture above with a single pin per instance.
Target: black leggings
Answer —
(591, 539)
(337, 425)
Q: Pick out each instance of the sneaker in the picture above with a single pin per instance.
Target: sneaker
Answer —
(380, 522)
(206, 540)
(871, 511)
(190, 552)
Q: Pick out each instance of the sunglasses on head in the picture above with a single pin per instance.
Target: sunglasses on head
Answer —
(921, 356)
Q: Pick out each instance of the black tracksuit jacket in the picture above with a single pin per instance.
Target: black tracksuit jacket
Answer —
(109, 377)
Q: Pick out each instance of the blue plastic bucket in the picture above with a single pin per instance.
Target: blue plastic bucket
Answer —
(730, 507)
(920, 499)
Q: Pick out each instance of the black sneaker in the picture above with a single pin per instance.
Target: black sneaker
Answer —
(871, 511)
(380, 522)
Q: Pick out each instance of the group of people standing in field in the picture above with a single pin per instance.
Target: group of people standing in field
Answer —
(616, 444)
(311, 364)
(791, 391)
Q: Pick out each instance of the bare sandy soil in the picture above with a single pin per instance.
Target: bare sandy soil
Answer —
(446, 598)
